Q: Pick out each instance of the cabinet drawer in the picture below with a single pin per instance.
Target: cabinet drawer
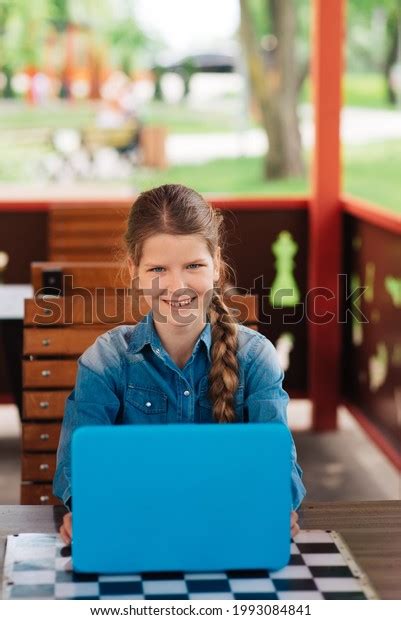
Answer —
(33, 494)
(44, 405)
(50, 373)
(40, 437)
(59, 341)
(38, 467)
(104, 307)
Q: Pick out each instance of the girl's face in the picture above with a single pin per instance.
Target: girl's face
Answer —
(174, 269)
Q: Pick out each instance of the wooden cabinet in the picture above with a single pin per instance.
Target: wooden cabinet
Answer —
(48, 376)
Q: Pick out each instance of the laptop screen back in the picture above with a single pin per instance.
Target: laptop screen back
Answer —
(181, 497)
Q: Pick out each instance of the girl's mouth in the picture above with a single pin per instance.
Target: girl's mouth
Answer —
(180, 304)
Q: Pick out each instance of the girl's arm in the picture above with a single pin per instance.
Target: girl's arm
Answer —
(267, 401)
(94, 400)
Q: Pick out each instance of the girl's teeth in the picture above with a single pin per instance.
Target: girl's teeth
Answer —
(179, 304)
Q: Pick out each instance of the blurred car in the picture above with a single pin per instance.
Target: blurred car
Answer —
(184, 67)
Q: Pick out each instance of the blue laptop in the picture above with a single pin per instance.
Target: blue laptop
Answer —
(181, 497)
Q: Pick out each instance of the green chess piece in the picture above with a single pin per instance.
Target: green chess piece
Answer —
(378, 367)
(393, 288)
(4, 258)
(284, 291)
(396, 357)
(284, 345)
(357, 331)
(370, 269)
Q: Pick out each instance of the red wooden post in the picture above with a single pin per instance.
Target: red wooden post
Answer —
(325, 250)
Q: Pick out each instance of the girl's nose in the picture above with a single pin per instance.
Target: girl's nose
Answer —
(176, 286)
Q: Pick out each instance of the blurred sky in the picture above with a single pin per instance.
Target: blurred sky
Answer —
(187, 25)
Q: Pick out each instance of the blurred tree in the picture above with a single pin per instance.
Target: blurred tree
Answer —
(275, 78)
(125, 39)
(59, 16)
(23, 25)
(92, 17)
(6, 7)
(118, 39)
(393, 49)
(378, 55)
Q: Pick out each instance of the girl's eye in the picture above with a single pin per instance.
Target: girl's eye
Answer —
(191, 265)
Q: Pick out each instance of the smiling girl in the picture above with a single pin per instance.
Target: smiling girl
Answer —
(187, 360)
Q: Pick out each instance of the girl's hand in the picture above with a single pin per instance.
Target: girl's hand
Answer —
(294, 524)
(66, 528)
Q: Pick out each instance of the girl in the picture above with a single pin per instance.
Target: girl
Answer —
(187, 360)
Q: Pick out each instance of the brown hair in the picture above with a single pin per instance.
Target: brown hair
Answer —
(179, 210)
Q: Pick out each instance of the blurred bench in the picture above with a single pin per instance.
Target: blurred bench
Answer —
(56, 332)
(94, 137)
(149, 140)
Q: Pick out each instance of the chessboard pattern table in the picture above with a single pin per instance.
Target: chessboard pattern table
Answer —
(320, 567)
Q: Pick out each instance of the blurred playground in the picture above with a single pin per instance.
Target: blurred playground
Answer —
(75, 94)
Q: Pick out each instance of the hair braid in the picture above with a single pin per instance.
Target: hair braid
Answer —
(223, 374)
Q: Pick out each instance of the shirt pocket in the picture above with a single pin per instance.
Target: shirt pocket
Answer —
(205, 405)
(145, 405)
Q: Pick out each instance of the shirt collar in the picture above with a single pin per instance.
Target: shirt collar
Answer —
(145, 333)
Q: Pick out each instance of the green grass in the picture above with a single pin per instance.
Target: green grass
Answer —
(181, 118)
(370, 172)
(177, 118)
(366, 90)
(373, 172)
(234, 176)
(19, 115)
(20, 163)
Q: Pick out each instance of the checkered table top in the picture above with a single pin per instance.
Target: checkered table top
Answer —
(321, 567)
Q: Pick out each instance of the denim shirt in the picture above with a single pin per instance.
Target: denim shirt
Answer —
(127, 377)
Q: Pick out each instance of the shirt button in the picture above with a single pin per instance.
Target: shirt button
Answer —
(148, 404)
(186, 393)
(157, 351)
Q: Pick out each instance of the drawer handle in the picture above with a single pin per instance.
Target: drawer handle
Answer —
(47, 311)
(44, 466)
(45, 373)
(44, 499)
(44, 404)
(45, 436)
(46, 342)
